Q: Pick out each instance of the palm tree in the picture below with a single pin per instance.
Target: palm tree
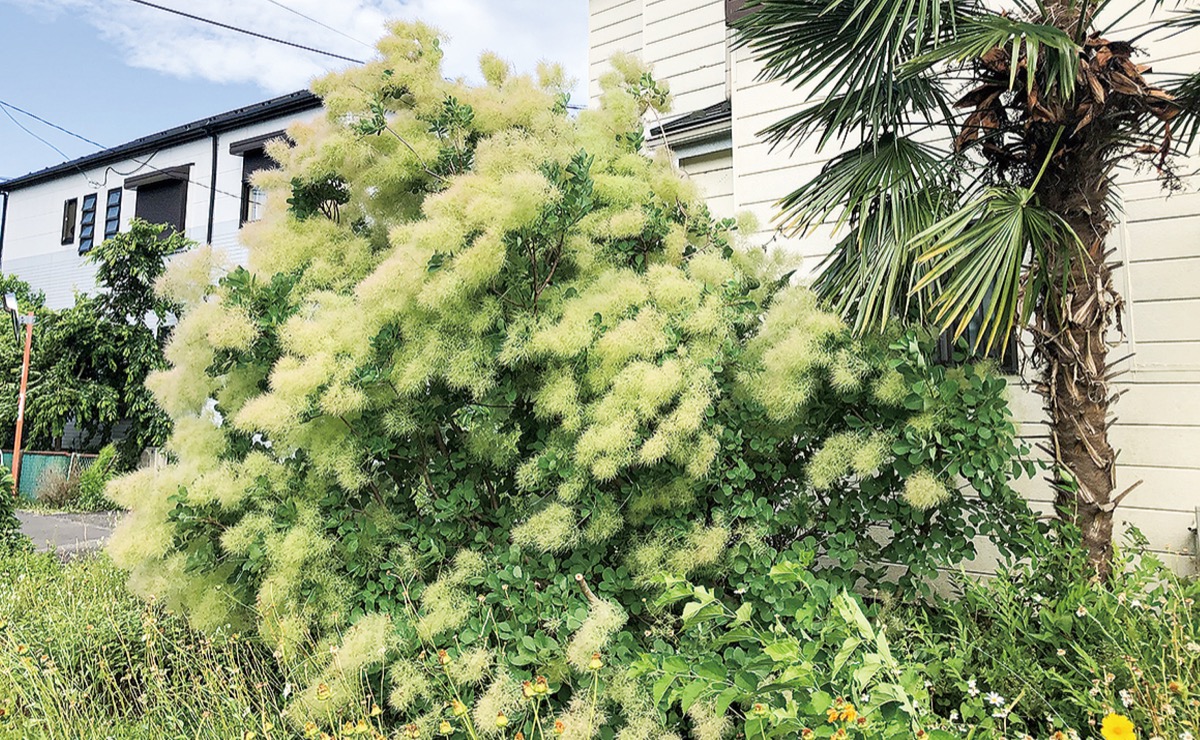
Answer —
(976, 183)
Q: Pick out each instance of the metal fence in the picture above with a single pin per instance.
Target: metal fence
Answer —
(34, 465)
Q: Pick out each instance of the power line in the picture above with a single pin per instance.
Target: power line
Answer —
(51, 125)
(5, 106)
(146, 164)
(278, 4)
(246, 31)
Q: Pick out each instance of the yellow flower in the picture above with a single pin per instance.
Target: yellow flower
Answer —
(1117, 727)
(759, 710)
(458, 708)
(445, 727)
(595, 664)
(323, 692)
(540, 686)
(1175, 687)
(559, 727)
(443, 657)
(375, 710)
(412, 731)
(501, 719)
(22, 649)
(310, 728)
(527, 689)
(362, 728)
(248, 735)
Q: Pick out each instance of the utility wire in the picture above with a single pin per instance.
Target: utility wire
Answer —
(51, 125)
(278, 4)
(246, 31)
(4, 106)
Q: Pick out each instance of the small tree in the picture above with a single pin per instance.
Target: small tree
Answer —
(1007, 222)
(90, 361)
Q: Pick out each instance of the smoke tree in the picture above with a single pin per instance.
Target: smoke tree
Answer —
(494, 377)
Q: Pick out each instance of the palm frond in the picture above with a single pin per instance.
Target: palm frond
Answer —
(1186, 125)
(837, 116)
(851, 181)
(868, 275)
(886, 192)
(1025, 43)
(845, 49)
(979, 256)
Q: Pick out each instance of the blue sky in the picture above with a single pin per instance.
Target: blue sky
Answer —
(112, 70)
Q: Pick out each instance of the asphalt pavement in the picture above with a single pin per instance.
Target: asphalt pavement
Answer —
(68, 534)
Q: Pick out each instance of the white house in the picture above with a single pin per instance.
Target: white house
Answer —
(721, 105)
(194, 177)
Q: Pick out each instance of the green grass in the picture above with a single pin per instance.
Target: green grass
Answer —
(82, 658)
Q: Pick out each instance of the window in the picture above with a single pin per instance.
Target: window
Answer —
(163, 202)
(87, 224)
(253, 152)
(1005, 356)
(112, 214)
(70, 210)
(254, 198)
(254, 202)
(162, 197)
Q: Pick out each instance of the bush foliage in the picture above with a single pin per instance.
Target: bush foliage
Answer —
(484, 346)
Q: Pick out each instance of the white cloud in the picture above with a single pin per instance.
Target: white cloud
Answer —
(522, 31)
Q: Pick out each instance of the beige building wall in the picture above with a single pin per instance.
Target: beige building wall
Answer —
(1157, 242)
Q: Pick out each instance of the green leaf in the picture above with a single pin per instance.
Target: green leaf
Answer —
(783, 651)
(690, 694)
(848, 647)
(661, 686)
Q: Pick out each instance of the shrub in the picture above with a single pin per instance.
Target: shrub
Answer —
(506, 349)
(58, 489)
(94, 479)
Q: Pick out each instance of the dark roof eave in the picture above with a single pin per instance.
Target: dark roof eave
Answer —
(284, 105)
(703, 118)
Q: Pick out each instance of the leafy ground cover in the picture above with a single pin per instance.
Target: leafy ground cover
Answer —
(1036, 653)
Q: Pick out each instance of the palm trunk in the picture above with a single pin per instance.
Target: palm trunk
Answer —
(1071, 351)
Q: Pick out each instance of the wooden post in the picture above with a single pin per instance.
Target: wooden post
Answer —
(16, 469)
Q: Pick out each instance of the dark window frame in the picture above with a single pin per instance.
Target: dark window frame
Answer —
(112, 223)
(179, 190)
(1006, 357)
(87, 223)
(70, 220)
(253, 160)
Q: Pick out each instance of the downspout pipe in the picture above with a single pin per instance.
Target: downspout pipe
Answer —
(3, 224)
(212, 189)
